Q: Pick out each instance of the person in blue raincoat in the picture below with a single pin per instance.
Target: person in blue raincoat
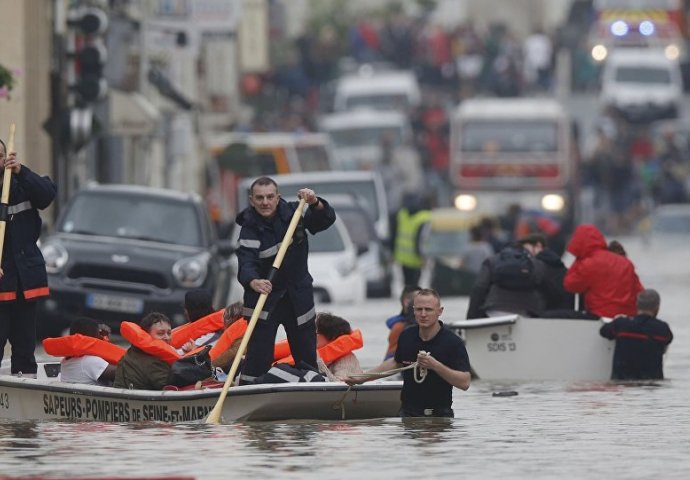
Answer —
(290, 300)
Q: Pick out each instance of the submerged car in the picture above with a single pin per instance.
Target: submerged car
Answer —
(119, 252)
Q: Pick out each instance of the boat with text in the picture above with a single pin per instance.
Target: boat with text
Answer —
(513, 347)
(47, 398)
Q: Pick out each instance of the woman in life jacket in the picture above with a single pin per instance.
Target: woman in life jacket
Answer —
(226, 347)
(335, 342)
(146, 364)
(88, 358)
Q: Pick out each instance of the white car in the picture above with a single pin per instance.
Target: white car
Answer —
(332, 263)
(334, 267)
(642, 83)
(387, 90)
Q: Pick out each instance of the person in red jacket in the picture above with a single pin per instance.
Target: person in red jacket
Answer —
(608, 280)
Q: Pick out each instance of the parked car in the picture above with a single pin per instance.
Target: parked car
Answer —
(373, 255)
(332, 263)
(120, 251)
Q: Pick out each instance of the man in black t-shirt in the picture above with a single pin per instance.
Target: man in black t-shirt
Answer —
(435, 348)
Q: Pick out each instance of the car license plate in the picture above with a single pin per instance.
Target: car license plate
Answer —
(114, 303)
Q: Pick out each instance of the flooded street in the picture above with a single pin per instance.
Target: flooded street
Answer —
(549, 430)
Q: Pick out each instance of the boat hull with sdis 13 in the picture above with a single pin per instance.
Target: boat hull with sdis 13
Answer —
(513, 347)
(45, 398)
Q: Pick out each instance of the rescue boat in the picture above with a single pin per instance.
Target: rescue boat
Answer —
(47, 398)
(517, 348)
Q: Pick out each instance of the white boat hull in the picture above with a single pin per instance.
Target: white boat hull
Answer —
(521, 348)
(43, 399)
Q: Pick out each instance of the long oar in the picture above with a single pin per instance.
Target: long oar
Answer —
(214, 415)
(5, 198)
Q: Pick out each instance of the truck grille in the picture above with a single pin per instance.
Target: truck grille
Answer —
(83, 271)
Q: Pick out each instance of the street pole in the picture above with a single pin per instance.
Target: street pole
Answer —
(58, 107)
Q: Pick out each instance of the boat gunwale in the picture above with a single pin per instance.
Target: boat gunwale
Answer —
(172, 395)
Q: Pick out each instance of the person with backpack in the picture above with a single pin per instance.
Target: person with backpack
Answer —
(557, 299)
(511, 281)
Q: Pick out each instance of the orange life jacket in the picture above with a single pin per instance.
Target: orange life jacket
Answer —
(78, 345)
(140, 338)
(332, 351)
(191, 331)
(232, 333)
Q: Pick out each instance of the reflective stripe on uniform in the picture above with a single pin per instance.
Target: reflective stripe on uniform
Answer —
(249, 243)
(248, 312)
(36, 292)
(20, 207)
(283, 375)
(269, 252)
(302, 319)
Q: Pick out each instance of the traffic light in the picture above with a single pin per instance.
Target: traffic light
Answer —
(88, 53)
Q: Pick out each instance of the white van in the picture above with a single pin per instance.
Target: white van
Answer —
(513, 150)
(358, 137)
(642, 83)
(387, 90)
(275, 152)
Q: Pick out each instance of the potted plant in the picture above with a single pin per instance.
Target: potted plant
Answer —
(6, 82)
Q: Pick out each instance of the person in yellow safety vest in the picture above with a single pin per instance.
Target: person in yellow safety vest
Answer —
(411, 222)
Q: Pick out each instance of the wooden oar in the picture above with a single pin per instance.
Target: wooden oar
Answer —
(5, 198)
(214, 415)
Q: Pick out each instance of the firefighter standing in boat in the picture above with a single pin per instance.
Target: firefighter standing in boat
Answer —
(290, 300)
(24, 277)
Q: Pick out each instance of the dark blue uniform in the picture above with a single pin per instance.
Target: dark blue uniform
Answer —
(25, 277)
(434, 396)
(640, 345)
(291, 301)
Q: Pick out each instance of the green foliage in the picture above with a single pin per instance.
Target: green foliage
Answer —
(6, 81)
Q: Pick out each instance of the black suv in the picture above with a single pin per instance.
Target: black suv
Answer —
(121, 251)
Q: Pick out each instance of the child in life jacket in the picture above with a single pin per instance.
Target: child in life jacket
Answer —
(329, 328)
(85, 368)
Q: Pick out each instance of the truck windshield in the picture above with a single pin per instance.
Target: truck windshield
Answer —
(643, 75)
(135, 217)
(509, 136)
(378, 102)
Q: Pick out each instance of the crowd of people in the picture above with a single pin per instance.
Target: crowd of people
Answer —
(632, 168)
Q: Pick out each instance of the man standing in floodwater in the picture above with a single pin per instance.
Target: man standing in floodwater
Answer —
(641, 341)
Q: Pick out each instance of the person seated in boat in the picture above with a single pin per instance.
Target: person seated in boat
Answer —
(104, 332)
(144, 371)
(641, 341)
(510, 282)
(330, 327)
(229, 342)
(441, 362)
(198, 303)
(87, 369)
(402, 320)
(608, 280)
(555, 298)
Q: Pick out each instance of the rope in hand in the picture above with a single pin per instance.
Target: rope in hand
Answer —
(419, 376)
